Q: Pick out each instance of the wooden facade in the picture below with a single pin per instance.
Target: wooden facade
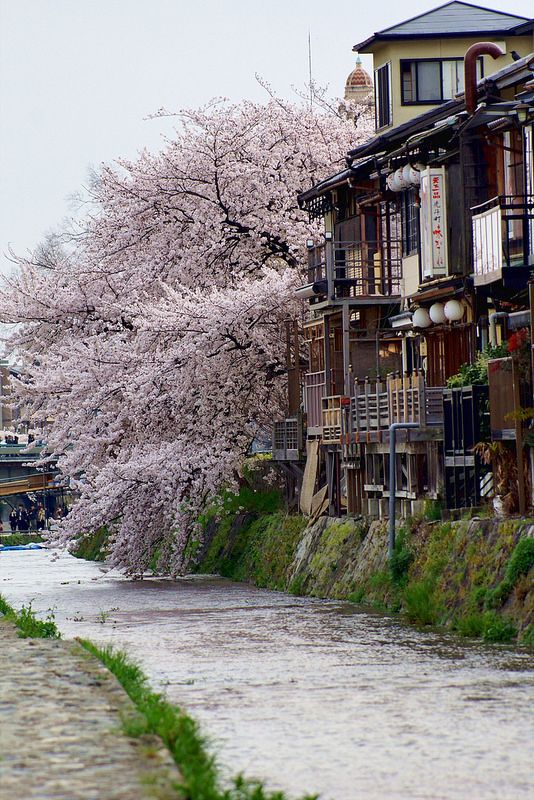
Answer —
(427, 253)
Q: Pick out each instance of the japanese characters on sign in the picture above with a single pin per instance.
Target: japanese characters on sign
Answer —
(433, 222)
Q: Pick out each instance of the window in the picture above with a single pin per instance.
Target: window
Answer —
(383, 96)
(433, 81)
(410, 222)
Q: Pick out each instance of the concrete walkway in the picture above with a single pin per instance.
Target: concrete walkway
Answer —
(60, 728)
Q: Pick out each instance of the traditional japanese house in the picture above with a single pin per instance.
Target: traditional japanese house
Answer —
(425, 258)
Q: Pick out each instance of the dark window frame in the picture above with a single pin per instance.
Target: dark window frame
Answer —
(383, 97)
(439, 61)
(410, 222)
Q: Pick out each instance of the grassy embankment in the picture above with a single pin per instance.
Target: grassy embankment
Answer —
(154, 714)
(474, 576)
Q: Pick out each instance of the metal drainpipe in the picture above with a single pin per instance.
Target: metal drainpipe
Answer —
(470, 70)
(492, 319)
(393, 478)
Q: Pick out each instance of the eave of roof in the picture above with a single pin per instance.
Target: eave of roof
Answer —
(505, 24)
(363, 47)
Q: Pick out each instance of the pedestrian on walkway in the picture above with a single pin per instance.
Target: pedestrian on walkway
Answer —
(22, 519)
(41, 518)
(13, 520)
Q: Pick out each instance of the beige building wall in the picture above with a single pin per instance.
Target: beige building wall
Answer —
(410, 275)
(394, 52)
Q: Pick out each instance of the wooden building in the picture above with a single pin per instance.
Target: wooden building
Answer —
(427, 250)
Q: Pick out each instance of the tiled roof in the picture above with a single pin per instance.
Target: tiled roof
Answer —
(455, 18)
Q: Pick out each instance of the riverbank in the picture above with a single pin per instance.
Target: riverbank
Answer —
(475, 576)
(97, 728)
(62, 718)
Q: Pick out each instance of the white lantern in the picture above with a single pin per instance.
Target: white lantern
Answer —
(407, 174)
(454, 310)
(437, 314)
(420, 318)
(400, 181)
(390, 181)
(415, 174)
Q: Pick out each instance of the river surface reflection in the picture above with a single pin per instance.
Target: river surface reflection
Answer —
(307, 695)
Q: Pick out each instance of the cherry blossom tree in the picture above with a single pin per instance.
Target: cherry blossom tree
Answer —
(152, 340)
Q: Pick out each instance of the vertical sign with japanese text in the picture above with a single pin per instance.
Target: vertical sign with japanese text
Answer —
(434, 254)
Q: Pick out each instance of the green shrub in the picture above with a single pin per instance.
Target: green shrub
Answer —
(477, 372)
(400, 561)
(470, 625)
(432, 510)
(527, 636)
(520, 563)
(498, 628)
(421, 604)
(357, 596)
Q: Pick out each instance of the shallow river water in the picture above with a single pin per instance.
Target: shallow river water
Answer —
(308, 695)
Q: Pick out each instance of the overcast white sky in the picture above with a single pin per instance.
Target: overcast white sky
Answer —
(79, 77)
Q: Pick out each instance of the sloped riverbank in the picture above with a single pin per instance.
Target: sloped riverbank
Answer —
(475, 576)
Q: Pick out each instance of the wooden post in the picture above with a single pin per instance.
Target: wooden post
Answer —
(346, 349)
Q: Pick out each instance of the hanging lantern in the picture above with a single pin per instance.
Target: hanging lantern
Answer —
(407, 174)
(400, 182)
(454, 310)
(415, 174)
(420, 318)
(390, 181)
(437, 314)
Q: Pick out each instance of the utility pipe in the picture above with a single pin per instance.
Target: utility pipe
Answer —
(393, 478)
(470, 70)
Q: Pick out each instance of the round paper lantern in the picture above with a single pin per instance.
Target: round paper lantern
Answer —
(415, 174)
(400, 181)
(407, 174)
(454, 310)
(437, 313)
(420, 318)
(390, 181)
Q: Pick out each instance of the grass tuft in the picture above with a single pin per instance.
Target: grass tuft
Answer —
(27, 623)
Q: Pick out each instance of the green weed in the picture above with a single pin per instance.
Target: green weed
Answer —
(520, 563)
(421, 604)
(26, 621)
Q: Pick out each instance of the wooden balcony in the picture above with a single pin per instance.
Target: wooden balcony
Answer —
(367, 269)
(503, 240)
(356, 270)
(377, 404)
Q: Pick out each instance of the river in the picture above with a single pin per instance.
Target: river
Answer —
(308, 695)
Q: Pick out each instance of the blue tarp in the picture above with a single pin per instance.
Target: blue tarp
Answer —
(33, 546)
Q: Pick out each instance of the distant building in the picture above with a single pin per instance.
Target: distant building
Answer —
(359, 85)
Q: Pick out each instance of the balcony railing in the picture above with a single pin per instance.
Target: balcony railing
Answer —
(314, 391)
(503, 236)
(359, 269)
(377, 404)
(367, 268)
